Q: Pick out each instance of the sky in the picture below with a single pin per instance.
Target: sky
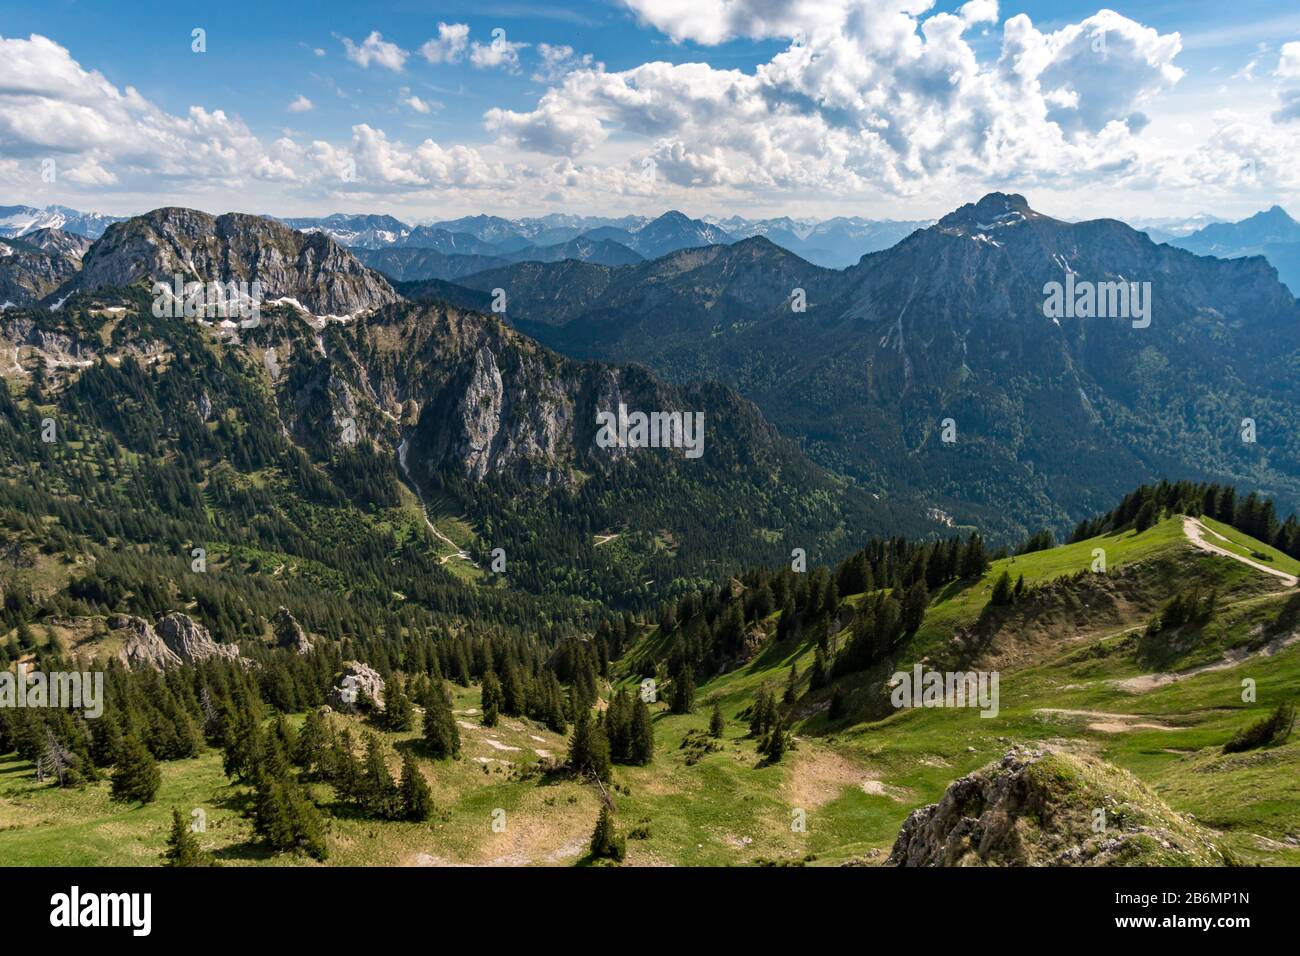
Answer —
(809, 108)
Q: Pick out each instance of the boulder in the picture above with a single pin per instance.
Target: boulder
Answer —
(1047, 807)
(355, 682)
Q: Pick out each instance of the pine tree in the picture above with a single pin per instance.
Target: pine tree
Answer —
(589, 747)
(914, 605)
(777, 743)
(399, 715)
(820, 673)
(717, 723)
(791, 685)
(606, 843)
(683, 689)
(641, 746)
(182, 847)
(136, 778)
(1002, 594)
(417, 800)
(381, 796)
(492, 699)
(441, 735)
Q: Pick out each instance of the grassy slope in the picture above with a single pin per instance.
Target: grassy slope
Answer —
(855, 783)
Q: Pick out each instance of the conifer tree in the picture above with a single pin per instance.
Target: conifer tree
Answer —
(399, 715)
(417, 800)
(717, 723)
(641, 746)
(791, 685)
(492, 699)
(380, 794)
(136, 777)
(606, 843)
(441, 735)
(182, 846)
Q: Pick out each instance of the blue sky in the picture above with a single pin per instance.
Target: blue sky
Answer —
(888, 108)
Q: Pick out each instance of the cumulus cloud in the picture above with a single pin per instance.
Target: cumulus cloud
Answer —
(865, 97)
(99, 134)
(449, 45)
(300, 104)
(414, 102)
(1288, 65)
(499, 53)
(375, 49)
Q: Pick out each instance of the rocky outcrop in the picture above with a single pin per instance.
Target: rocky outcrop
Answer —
(1050, 808)
(310, 268)
(191, 642)
(177, 640)
(29, 272)
(289, 633)
(355, 683)
(141, 646)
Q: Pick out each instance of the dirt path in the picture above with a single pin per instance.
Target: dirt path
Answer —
(1107, 723)
(458, 552)
(1145, 682)
(1196, 533)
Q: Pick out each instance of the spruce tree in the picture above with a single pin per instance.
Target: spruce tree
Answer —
(641, 746)
(399, 715)
(136, 777)
(417, 800)
(492, 699)
(606, 843)
(791, 685)
(717, 723)
(182, 847)
(441, 735)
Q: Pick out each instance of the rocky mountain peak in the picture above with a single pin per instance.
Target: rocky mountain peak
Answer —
(309, 268)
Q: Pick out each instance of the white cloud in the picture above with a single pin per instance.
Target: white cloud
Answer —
(1288, 65)
(375, 49)
(301, 104)
(865, 98)
(417, 104)
(500, 52)
(449, 46)
(557, 61)
(979, 11)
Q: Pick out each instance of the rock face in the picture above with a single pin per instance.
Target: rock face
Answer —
(35, 266)
(289, 633)
(311, 268)
(142, 646)
(1044, 808)
(191, 642)
(357, 680)
(177, 640)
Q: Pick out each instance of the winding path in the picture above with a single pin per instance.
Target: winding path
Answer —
(1196, 532)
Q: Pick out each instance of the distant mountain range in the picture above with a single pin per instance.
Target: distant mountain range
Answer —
(1052, 416)
(1271, 234)
(1055, 416)
(17, 221)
